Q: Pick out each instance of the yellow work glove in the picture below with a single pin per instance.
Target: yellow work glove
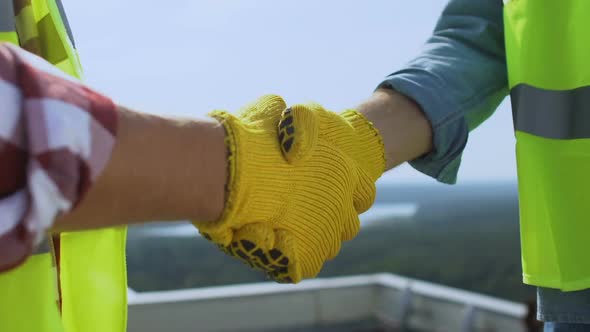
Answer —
(298, 178)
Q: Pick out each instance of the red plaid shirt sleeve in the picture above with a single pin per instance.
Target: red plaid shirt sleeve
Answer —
(56, 136)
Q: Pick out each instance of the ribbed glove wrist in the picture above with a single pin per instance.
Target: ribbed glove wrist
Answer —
(370, 154)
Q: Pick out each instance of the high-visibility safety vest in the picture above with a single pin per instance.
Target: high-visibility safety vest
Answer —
(89, 294)
(548, 55)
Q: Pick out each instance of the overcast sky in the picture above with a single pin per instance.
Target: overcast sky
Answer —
(187, 57)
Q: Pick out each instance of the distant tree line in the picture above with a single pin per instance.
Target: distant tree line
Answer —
(472, 249)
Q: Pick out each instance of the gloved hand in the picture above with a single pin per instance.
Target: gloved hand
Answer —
(298, 178)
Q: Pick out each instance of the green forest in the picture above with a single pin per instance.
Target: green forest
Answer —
(474, 247)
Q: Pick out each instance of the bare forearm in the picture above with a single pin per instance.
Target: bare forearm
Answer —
(406, 132)
(160, 169)
(170, 169)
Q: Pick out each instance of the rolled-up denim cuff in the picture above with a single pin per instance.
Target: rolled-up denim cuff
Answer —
(449, 127)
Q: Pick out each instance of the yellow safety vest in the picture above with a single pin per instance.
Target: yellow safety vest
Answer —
(92, 274)
(548, 55)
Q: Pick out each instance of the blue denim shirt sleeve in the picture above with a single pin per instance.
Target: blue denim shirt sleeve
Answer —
(459, 79)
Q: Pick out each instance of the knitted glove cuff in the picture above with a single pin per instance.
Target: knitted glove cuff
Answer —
(253, 181)
(371, 154)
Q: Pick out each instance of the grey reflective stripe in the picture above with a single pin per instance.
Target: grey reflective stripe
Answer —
(7, 21)
(64, 19)
(551, 113)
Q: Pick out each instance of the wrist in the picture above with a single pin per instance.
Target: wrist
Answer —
(178, 165)
(214, 178)
(404, 128)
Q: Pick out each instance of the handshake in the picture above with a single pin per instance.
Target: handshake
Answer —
(298, 179)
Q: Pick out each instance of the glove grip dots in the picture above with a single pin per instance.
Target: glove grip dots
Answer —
(297, 133)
